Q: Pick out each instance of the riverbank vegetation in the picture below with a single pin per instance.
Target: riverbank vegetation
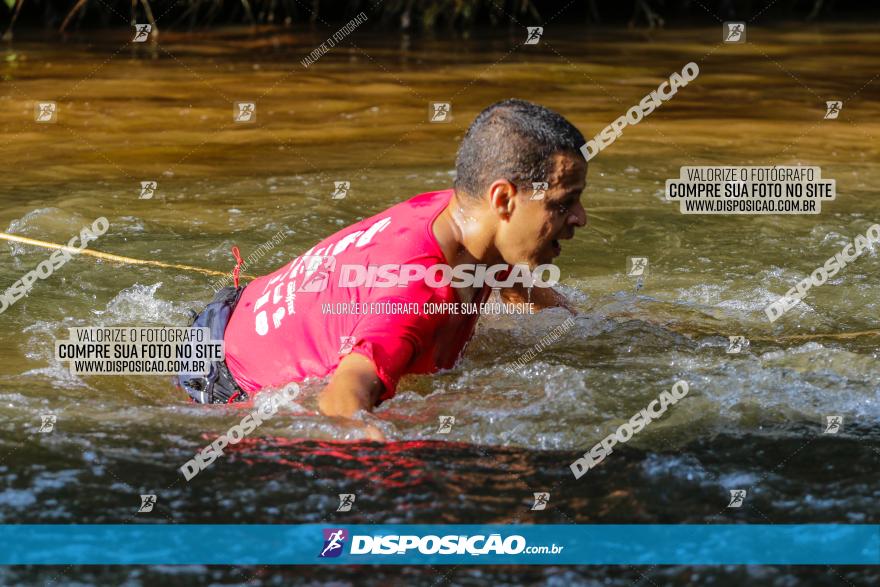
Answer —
(67, 15)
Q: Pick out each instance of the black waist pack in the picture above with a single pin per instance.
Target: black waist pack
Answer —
(218, 386)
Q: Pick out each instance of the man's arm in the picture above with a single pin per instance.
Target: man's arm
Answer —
(353, 386)
(542, 297)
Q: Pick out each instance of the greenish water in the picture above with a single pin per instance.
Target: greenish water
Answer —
(134, 113)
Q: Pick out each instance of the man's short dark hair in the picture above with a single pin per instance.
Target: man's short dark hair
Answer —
(513, 140)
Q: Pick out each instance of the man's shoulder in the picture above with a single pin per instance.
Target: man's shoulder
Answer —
(399, 234)
(421, 207)
(403, 224)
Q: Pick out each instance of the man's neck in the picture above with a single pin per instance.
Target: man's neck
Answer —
(464, 234)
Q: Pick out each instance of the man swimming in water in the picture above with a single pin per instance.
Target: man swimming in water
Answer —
(284, 327)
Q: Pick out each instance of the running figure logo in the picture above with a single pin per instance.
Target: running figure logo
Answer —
(341, 189)
(141, 32)
(737, 496)
(147, 503)
(833, 424)
(48, 423)
(637, 266)
(534, 35)
(446, 423)
(539, 190)
(334, 541)
(734, 32)
(440, 111)
(346, 500)
(347, 343)
(148, 188)
(318, 269)
(736, 344)
(244, 112)
(541, 501)
(832, 109)
(45, 112)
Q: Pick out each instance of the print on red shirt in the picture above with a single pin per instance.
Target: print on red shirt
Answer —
(280, 330)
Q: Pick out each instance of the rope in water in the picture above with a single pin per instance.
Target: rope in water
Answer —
(109, 256)
(133, 261)
(785, 337)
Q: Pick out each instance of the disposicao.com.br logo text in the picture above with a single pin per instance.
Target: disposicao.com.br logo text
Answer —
(452, 544)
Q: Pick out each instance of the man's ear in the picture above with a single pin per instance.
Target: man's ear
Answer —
(502, 197)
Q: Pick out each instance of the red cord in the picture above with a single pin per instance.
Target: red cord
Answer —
(237, 269)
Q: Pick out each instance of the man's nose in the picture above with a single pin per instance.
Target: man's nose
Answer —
(578, 216)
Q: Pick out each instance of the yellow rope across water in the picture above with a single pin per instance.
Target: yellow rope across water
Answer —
(133, 261)
(111, 257)
(814, 336)
(781, 338)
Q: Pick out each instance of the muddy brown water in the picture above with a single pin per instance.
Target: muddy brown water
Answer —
(129, 113)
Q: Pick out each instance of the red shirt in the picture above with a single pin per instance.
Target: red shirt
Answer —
(282, 330)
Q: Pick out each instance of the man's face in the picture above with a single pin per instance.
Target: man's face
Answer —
(533, 231)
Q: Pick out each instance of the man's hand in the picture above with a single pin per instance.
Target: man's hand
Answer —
(373, 433)
(354, 386)
(541, 297)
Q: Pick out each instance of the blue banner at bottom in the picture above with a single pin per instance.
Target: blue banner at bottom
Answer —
(397, 544)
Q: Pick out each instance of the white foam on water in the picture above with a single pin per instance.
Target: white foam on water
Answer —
(138, 305)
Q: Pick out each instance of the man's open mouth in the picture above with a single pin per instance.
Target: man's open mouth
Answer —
(557, 247)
